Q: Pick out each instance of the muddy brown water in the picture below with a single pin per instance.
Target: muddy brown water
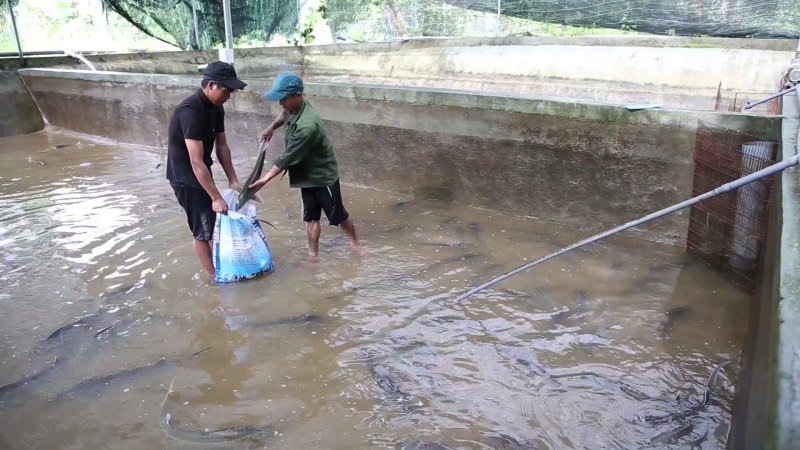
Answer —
(97, 226)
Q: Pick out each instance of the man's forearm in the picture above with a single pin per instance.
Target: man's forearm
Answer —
(274, 172)
(278, 122)
(204, 177)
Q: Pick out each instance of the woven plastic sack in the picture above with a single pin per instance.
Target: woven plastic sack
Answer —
(240, 250)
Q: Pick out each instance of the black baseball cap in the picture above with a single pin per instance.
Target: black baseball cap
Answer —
(224, 74)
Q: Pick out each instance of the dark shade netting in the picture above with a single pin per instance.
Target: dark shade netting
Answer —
(724, 18)
(172, 20)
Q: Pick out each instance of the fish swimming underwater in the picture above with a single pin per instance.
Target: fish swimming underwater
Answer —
(175, 430)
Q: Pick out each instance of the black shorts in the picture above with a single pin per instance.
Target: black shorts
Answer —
(328, 199)
(197, 204)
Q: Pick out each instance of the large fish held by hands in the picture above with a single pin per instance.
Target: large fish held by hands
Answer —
(247, 193)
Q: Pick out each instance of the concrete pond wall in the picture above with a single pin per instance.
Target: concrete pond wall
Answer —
(782, 382)
(682, 72)
(502, 141)
(583, 164)
(19, 114)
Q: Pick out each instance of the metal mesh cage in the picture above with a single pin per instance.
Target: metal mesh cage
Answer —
(729, 230)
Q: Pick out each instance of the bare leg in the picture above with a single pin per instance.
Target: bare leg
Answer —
(350, 229)
(313, 231)
(203, 251)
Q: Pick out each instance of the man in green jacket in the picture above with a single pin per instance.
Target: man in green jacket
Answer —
(309, 159)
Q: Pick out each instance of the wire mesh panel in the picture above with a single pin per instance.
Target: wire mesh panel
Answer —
(729, 230)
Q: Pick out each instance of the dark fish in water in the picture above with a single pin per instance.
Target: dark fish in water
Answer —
(694, 409)
(582, 299)
(400, 276)
(500, 441)
(617, 266)
(293, 320)
(634, 393)
(122, 290)
(560, 316)
(625, 388)
(448, 220)
(672, 317)
(457, 244)
(175, 430)
(385, 232)
(247, 193)
(5, 390)
(447, 261)
(460, 231)
(516, 293)
(65, 331)
(61, 146)
(236, 322)
(101, 382)
(400, 205)
(385, 379)
(487, 270)
(673, 435)
(117, 327)
(525, 358)
(474, 231)
(389, 382)
(423, 445)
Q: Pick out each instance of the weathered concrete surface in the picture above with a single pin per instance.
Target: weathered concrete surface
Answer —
(681, 72)
(749, 422)
(784, 399)
(19, 113)
(676, 76)
(262, 62)
(588, 165)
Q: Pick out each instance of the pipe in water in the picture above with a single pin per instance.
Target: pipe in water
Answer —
(755, 176)
(16, 33)
(81, 58)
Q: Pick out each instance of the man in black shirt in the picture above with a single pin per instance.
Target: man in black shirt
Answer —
(196, 125)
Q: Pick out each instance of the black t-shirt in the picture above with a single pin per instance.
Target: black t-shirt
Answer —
(195, 118)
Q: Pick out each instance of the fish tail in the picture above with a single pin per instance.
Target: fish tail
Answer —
(712, 379)
(169, 391)
(199, 351)
(273, 226)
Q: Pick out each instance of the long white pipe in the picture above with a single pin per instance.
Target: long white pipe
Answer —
(755, 176)
(81, 58)
(196, 27)
(226, 11)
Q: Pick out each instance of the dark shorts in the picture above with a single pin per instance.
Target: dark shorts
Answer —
(197, 204)
(328, 199)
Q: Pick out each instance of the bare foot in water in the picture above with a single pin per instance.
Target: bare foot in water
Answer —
(306, 263)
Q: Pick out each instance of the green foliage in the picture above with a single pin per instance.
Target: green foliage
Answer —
(306, 29)
(79, 24)
(626, 24)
